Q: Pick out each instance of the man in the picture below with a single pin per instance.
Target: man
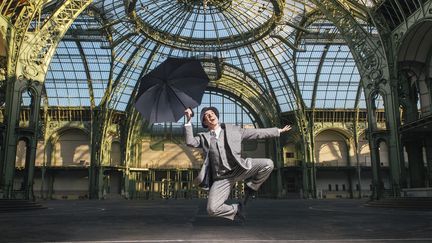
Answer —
(223, 165)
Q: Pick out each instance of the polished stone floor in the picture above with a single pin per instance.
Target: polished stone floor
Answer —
(186, 221)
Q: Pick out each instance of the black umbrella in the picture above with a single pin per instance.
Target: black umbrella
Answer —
(166, 91)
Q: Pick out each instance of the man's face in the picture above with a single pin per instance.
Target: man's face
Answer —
(210, 119)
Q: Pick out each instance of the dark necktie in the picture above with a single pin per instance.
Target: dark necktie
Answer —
(212, 134)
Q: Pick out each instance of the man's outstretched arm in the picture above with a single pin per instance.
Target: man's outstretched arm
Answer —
(261, 133)
(189, 137)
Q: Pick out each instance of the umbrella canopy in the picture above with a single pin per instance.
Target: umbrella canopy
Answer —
(170, 88)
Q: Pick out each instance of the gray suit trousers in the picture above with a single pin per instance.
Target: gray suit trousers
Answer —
(221, 189)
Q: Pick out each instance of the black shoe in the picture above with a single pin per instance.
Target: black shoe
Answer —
(249, 193)
(240, 213)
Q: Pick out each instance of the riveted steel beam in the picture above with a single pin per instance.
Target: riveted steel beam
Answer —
(371, 56)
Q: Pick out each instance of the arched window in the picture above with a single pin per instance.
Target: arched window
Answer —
(72, 149)
(364, 151)
(21, 151)
(331, 149)
(115, 153)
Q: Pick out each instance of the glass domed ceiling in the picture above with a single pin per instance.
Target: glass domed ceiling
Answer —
(205, 24)
(287, 54)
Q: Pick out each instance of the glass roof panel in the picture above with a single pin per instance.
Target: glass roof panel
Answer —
(223, 24)
(327, 64)
(339, 79)
(194, 20)
(79, 64)
(220, 22)
(224, 29)
(66, 80)
(307, 67)
(99, 65)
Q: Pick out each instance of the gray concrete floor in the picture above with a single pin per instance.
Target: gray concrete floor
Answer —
(186, 221)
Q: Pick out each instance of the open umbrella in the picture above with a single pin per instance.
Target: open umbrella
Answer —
(166, 91)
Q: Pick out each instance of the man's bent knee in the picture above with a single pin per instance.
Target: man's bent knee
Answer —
(213, 210)
(268, 165)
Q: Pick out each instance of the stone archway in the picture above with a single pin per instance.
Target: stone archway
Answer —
(414, 61)
(332, 151)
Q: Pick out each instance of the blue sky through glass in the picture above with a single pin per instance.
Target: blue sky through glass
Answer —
(268, 61)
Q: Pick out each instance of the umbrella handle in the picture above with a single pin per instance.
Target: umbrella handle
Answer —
(193, 113)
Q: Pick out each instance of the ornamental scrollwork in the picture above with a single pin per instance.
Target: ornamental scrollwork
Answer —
(39, 47)
(53, 125)
(397, 37)
(41, 130)
(21, 25)
(317, 127)
(3, 63)
(3, 33)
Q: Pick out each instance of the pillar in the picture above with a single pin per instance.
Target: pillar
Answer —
(428, 146)
(349, 166)
(377, 185)
(415, 163)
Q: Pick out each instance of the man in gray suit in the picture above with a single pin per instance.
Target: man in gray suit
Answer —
(223, 165)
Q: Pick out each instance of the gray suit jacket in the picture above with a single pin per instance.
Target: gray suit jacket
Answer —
(234, 137)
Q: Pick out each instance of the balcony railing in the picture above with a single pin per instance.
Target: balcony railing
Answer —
(334, 163)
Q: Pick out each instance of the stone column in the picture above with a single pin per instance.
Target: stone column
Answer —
(415, 163)
(428, 146)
